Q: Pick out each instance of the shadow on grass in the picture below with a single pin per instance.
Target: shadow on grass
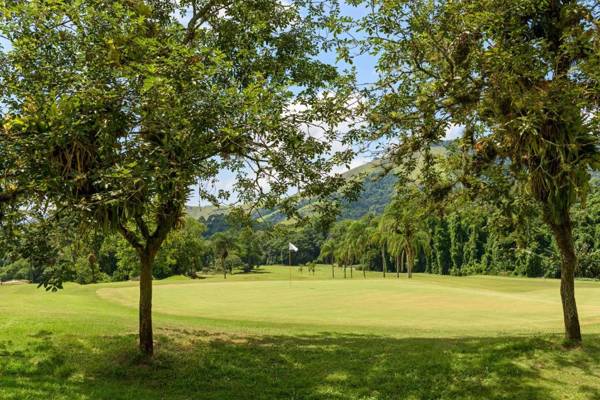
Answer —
(201, 365)
(254, 271)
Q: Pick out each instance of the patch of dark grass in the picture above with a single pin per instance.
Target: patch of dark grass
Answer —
(200, 365)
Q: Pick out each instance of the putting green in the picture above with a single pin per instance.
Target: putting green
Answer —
(427, 305)
(434, 337)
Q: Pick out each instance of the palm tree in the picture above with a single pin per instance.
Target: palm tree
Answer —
(357, 238)
(336, 247)
(342, 254)
(327, 254)
(404, 222)
(352, 245)
(377, 239)
(395, 243)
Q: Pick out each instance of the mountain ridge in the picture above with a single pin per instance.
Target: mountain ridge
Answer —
(368, 168)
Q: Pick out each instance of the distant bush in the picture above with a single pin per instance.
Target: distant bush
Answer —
(233, 261)
(15, 271)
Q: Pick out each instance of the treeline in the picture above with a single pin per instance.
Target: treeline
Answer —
(472, 238)
(57, 249)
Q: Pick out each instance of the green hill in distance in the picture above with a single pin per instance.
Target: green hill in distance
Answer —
(197, 212)
(377, 191)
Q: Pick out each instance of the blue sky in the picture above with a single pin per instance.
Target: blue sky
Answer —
(366, 73)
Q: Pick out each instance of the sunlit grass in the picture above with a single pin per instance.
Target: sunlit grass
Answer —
(260, 336)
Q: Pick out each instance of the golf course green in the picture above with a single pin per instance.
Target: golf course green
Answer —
(266, 336)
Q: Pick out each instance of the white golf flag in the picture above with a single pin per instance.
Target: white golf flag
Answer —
(291, 247)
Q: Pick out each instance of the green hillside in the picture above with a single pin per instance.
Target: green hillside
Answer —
(204, 211)
(371, 170)
(377, 190)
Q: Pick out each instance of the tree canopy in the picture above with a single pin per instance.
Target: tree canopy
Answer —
(520, 78)
(125, 105)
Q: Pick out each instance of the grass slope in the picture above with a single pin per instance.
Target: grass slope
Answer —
(260, 336)
(197, 212)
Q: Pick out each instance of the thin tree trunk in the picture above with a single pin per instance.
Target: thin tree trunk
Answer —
(223, 266)
(93, 270)
(145, 328)
(398, 258)
(344, 271)
(402, 261)
(351, 270)
(409, 263)
(564, 238)
(384, 261)
(332, 271)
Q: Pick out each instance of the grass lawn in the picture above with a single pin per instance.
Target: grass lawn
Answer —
(262, 336)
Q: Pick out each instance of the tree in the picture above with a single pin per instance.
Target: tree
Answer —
(327, 251)
(341, 255)
(361, 231)
(223, 244)
(125, 107)
(11, 186)
(521, 80)
(456, 231)
(335, 246)
(312, 268)
(186, 249)
(404, 222)
(327, 254)
(441, 246)
(250, 245)
(377, 239)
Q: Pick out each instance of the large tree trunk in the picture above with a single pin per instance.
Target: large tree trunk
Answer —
(384, 261)
(147, 250)
(146, 339)
(563, 234)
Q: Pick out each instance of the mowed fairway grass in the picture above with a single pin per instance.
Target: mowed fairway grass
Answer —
(262, 336)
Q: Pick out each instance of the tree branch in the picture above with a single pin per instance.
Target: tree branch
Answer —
(10, 195)
(141, 224)
(130, 237)
(199, 16)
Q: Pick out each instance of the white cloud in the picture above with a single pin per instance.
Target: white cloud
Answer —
(454, 132)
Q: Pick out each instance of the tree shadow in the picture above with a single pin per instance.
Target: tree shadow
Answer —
(201, 365)
(254, 271)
